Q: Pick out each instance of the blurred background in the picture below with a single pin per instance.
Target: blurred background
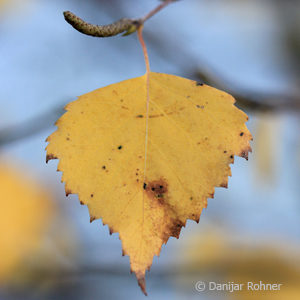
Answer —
(249, 232)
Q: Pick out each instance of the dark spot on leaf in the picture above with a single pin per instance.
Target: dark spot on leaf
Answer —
(188, 97)
(231, 156)
(81, 203)
(67, 138)
(242, 133)
(92, 218)
(198, 83)
(144, 186)
(225, 151)
(157, 189)
(103, 167)
(200, 106)
(120, 147)
(140, 116)
(92, 195)
(191, 198)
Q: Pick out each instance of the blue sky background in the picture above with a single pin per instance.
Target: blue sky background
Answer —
(45, 64)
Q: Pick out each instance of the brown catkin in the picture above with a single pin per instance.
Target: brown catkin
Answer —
(98, 30)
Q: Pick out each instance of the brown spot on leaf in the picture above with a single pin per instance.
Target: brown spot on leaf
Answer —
(50, 156)
(224, 185)
(92, 195)
(67, 138)
(103, 167)
(244, 153)
(81, 202)
(157, 189)
(175, 228)
(92, 218)
(140, 116)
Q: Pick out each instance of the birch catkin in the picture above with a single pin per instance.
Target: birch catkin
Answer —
(115, 28)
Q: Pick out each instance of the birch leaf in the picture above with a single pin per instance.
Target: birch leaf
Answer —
(194, 131)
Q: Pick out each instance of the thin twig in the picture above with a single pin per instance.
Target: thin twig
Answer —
(156, 10)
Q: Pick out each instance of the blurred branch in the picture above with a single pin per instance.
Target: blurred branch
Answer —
(30, 127)
(254, 101)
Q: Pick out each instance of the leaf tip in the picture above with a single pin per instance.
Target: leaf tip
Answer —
(142, 282)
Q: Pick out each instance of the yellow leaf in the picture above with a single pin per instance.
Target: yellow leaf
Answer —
(25, 209)
(194, 133)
